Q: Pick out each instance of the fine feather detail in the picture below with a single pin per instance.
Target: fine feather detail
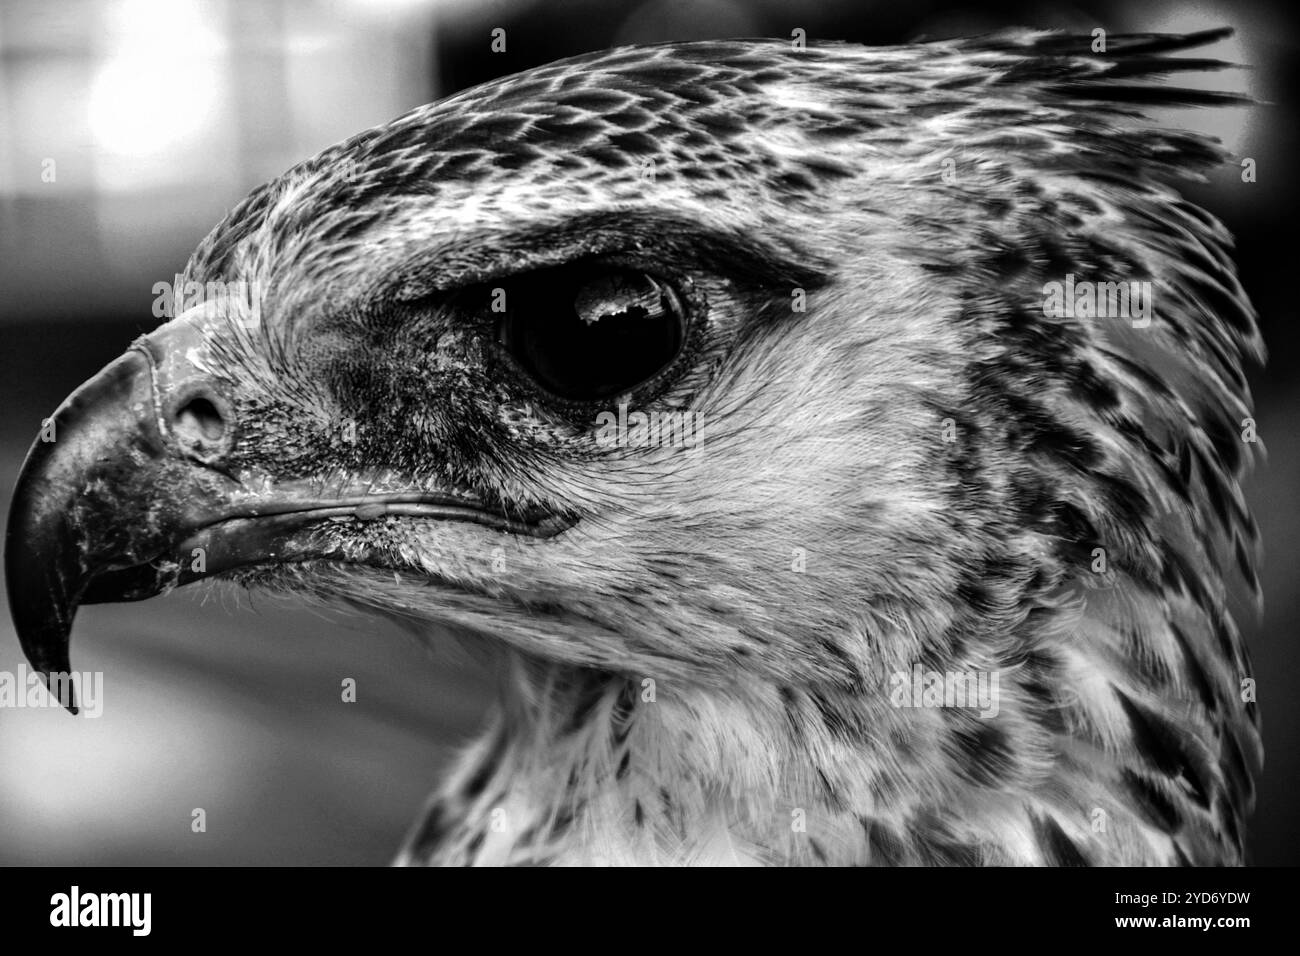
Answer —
(953, 458)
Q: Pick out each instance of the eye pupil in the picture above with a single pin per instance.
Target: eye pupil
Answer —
(585, 337)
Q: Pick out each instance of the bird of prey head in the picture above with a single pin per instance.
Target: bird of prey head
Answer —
(719, 392)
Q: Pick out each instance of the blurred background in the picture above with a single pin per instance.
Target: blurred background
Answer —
(129, 127)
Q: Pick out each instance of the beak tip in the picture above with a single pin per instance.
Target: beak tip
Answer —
(51, 659)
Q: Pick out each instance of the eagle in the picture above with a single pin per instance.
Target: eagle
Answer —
(836, 451)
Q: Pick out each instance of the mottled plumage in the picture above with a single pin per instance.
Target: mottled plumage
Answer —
(905, 461)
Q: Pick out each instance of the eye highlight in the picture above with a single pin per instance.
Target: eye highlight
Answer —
(588, 334)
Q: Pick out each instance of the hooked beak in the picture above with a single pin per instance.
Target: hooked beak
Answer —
(126, 495)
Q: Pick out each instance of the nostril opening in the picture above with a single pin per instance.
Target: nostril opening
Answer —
(198, 419)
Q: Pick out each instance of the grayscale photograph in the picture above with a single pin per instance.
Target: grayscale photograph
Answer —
(649, 433)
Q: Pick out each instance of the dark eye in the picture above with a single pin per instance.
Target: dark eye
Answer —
(585, 335)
